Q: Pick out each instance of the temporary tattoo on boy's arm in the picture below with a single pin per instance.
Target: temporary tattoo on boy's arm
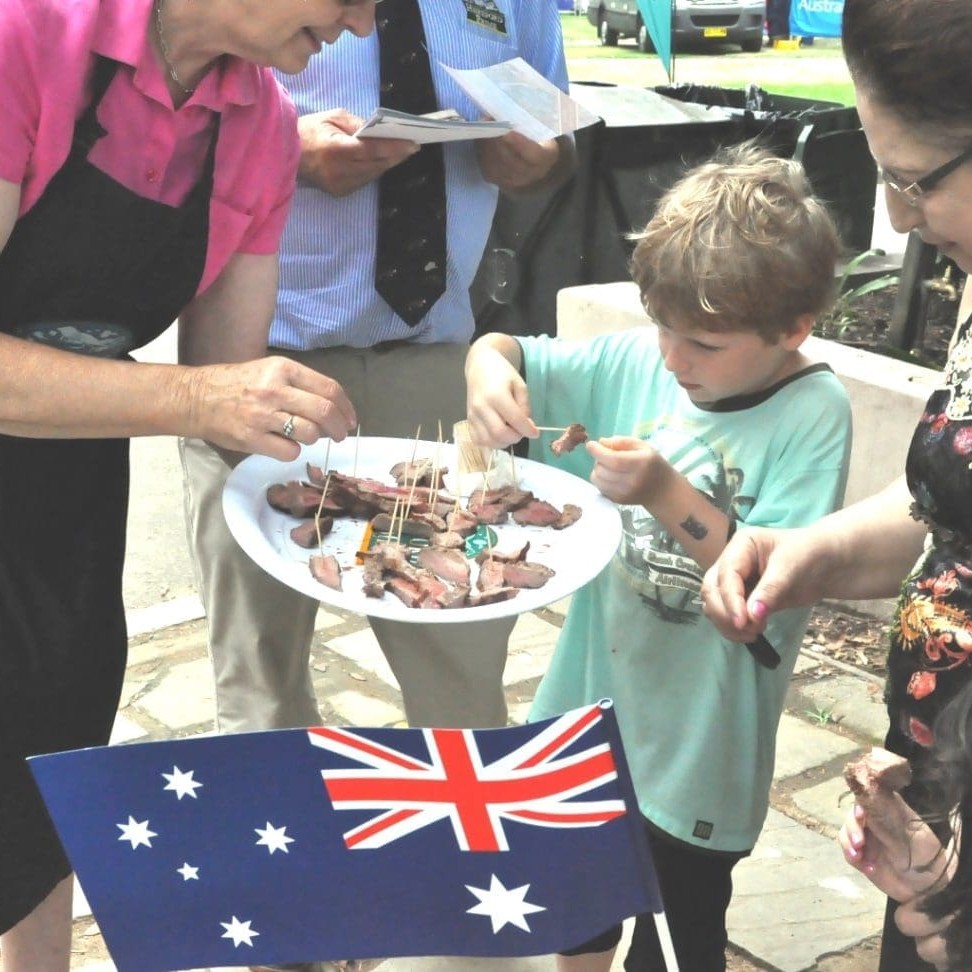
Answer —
(696, 530)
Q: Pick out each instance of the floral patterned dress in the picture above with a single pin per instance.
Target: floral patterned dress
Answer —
(930, 657)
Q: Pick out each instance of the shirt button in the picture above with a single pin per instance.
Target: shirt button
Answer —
(152, 175)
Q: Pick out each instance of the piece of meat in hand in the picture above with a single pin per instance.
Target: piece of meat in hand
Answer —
(878, 771)
(574, 435)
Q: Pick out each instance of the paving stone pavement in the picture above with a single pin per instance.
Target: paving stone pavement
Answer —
(795, 900)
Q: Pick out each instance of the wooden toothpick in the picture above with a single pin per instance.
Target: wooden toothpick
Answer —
(317, 515)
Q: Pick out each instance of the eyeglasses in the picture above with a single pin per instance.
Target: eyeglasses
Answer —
(913, 192)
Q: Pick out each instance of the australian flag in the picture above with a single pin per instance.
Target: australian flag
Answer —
(327, 843)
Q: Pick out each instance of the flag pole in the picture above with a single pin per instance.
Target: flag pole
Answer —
(671, 44)
(665, 939)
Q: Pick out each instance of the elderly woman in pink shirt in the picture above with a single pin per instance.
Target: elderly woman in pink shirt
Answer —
(147, 161)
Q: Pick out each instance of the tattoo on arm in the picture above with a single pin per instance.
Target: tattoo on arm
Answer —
(696, 530)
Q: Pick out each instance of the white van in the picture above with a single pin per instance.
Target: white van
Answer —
(694, 23)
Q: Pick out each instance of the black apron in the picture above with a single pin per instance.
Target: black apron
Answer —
(92, 268)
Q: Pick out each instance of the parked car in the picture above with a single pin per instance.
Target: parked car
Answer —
(694, 23)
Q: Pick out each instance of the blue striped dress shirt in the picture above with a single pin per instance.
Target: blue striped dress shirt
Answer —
(327, 258)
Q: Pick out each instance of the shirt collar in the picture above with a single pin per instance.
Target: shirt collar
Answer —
(122, 34)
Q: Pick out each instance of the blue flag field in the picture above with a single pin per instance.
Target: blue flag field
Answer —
(331, 842)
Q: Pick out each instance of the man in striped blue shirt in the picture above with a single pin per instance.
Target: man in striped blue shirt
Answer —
(399, 377)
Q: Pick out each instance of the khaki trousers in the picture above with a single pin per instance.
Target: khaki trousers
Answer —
(260, 631)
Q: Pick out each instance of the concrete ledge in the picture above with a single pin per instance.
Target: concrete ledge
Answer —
(887, 396)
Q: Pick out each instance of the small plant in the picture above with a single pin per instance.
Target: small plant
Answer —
(821, 715)
(843, 314)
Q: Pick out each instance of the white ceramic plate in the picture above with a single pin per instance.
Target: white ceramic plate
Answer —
(576, 553)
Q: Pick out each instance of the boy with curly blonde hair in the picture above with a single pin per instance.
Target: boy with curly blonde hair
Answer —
(713, 418)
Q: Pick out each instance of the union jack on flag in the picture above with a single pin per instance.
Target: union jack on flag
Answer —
(536, 783)
(301, 845)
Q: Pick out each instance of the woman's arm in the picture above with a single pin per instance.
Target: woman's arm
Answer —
(862, 551)
(49, 393)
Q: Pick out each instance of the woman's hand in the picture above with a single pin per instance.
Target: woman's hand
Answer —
(759, 572)
(901, 856)
(862, 551)
(894, 848)
(929, 935)
(249, 407)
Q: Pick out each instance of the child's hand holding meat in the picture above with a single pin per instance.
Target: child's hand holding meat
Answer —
(629, 470)
(497, 400)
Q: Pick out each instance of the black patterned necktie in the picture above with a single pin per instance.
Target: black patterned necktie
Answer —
(410, 260)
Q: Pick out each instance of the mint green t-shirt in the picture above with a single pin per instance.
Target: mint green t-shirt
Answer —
(698, 715)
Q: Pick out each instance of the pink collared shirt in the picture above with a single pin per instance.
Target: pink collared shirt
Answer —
(46, 60)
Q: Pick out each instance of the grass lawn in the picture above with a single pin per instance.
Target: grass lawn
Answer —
(817, 73)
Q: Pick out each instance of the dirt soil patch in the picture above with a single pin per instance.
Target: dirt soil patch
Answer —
(866, 320)
(858, 640)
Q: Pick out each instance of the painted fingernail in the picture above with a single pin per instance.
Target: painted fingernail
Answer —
(758, 610)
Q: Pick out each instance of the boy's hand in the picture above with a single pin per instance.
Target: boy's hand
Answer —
(497, 399)
(629, 470)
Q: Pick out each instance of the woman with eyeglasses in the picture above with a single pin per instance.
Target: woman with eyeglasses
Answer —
(908, 60)
(147, 162)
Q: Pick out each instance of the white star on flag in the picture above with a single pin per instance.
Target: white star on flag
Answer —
(504, 906)
(274, 838)
(240, 932)
(182, 783)
(137, 832)
(188, 872)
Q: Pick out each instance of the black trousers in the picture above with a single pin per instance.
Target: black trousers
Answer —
(696, 888)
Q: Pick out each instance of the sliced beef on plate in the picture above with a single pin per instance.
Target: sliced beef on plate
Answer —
(373, 575)
(505, 553)
(571, 514)
(525, 574)
(449, 564)
(448, 540)
(327, 570)
(294, 497)
(492, 514)
(490, 575)
(453, 597)
(405, 589)
(537, 513)
(461, 521)
(308, 533)
(492, 595)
